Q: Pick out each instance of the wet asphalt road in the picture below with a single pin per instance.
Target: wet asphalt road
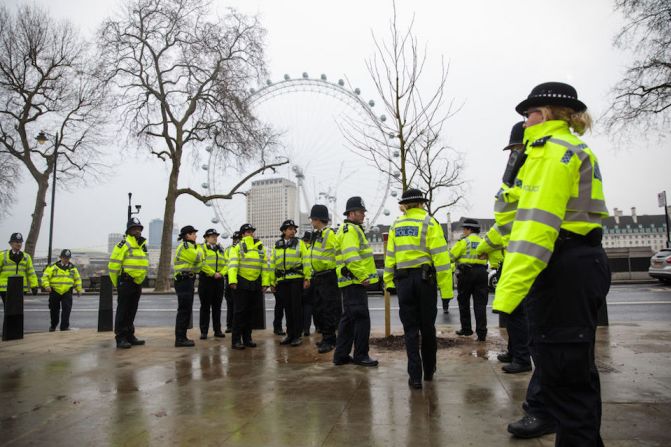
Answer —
(626, 303)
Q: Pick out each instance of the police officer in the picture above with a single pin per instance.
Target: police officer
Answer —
(289, 273)
(417, 264)
(555, 260)
(248, 275)
(59, 279)
(326, 293)
(358, 271)
(472, 280)
(16, 262)
(128, 267)
(228, 292)
(308, 300)
(187, 263)
(211, 284)
(493, 248)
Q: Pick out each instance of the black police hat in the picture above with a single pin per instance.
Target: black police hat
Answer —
(353, 204)
(552, 94)
(236, 235)
(66, 253)
(210, 232)
(319, 212)
(516, 136)
(16, 237)
(288, 223)
(246, 227)
(470, 223)
(186, 230)
(412, 196)
(134, 222)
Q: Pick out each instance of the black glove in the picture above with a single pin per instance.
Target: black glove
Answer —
(34, 290)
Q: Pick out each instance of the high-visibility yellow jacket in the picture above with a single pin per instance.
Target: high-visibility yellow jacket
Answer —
(289, 260)
(188, 258)
(324, 252)
(23, 268)
(227, 258)
(560, 188)
(129, 256)
(494, 242)
(495, 258)
(62, 278)
(248, 259)
(357, 263)
(416, 239)
(463, 251)
(214, 259)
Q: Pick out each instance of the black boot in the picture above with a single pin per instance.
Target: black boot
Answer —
(531, 427)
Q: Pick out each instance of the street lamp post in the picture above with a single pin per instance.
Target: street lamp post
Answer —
(41, 139)
(130, 210)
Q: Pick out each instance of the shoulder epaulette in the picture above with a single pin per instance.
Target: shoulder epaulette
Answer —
(279, 243)
(541, 141)
(345, 228)
(121, 244)
(186, 244)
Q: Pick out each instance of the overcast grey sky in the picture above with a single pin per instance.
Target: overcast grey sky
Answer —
(497, 52)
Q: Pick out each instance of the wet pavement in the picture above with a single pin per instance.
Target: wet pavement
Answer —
(75, 388)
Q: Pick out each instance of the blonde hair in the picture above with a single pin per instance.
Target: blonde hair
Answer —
(579, 122)
(413, 205)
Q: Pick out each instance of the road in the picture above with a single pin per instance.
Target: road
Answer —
(626, 303)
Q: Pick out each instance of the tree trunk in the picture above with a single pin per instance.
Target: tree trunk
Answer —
(38, 214)
(165, 259)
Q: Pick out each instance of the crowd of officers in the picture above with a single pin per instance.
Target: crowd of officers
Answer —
(545, 245)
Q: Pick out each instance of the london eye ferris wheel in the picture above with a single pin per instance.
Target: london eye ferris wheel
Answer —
(309, 115)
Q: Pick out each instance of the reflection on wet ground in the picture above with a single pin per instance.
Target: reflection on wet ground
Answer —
(76, 388)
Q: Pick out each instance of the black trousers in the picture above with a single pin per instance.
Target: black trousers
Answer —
(518, 335)
(562, 307)
(211, 295)
(354, 327)
(128, 298)
(328, 305)
(417, 303)
(473, 282)
(185, 292)
(228, 294)
(290, 292)
(308, 308)
(56, 300)
(280, 309)
(243, 304)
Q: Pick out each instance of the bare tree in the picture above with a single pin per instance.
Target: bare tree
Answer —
(47, 84)
(642, 98)
(9, 176)
(182, 80)
(407, 143)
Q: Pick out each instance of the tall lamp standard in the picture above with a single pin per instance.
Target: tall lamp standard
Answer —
(130, 211)
(41, 139)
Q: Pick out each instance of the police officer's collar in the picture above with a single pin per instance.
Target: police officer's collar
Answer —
(545, 128)
(353, 223)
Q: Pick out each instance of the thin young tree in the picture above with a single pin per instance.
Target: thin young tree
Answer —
(48, 84)
(181, 77)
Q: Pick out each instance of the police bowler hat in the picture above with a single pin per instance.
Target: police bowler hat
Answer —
(470, 223)
(319, 212)
(210, 232)
(516, 136)
(354, 204)
(288, 223)
(412, 196)
(134, 222)
(246, 227)
(186, 230)
(236, 235)
(66, 253)
(552, 94)
(16, 237)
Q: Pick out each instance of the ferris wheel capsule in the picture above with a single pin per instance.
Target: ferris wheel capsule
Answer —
(305, 75)
(383, 118)
(204, 185)
(386, 212)
(341, 82)
(323, 77)
(204, 167)
(214, 220)
(394, 194)
(357, 91)
(286, 77)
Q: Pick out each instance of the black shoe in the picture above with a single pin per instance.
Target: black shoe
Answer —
(296, 341)
(123, 344)
(52, 329)
(279, 332)
(65, 329)
(325, 347)
(184, 343)
(136, 341)
(220, 335)
(229, 330)
(515, 368)
(249, 344)
(482, 338)
(429, 376)
(285, 341)
(238, 345)
(366, 362)
(343, 361)
(464, 333)
(306, 333)
(415, 384)
(505, 357)
(446, 311)
(531, 427)
(203, 336)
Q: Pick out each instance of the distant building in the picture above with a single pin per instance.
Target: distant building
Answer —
(635, 231)
(156, 233)
(269, 203)
(112, 240)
